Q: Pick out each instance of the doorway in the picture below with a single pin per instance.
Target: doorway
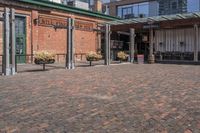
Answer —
(20, 30)
(142, 44)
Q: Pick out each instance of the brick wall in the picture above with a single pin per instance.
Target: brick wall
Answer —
(40, 38)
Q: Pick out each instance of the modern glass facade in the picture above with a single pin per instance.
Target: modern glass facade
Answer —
(133, 10)
(157, 7)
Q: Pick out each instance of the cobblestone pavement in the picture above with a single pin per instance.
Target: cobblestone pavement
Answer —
(107, 99)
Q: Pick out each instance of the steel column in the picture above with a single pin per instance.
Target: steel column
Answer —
(132, 44)
(6, 57)
(151, 42)
(13, 62)
(2, 19)
(196, 42)
(72, 44)
(151, 55)
(107, 44)
(109, 54)
(70, 62)
(68, 59)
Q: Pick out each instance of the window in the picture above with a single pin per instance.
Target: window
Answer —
(174, 5)
(133, 10)
(126, 12)
(119, 12)
(143, 10)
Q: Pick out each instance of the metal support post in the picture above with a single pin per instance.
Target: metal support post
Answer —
(109, 54)
(68, 59)
(196, 42)
(72, 45)
(12, 18)
(6, 58)
(151, 55)
(132, 45)
(107, 45)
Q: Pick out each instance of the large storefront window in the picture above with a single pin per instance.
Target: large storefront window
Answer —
(133, 10)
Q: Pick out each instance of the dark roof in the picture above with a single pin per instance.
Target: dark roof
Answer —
(76, 10)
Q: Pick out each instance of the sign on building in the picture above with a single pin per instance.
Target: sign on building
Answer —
(85, 26)
(49, 21)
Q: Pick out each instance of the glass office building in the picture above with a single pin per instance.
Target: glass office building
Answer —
(157, 7)
(133, 10)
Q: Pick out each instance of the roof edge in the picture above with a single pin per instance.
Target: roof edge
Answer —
(76, 10)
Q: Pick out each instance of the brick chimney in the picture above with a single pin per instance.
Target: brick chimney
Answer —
(97, 6)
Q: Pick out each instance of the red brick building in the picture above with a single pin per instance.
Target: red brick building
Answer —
(40, 26)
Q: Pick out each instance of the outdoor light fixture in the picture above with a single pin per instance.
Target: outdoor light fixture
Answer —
(35, 21)
(182, 44)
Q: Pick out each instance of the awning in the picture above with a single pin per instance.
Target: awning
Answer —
(156, 19)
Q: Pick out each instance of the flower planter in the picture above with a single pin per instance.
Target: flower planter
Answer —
(39, 61)
(42, 62)
(122, 56)
(93, 56)
(43, 58)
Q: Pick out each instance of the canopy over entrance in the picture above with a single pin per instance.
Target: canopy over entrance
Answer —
(151, 26)
(164, 21)
(156, 19)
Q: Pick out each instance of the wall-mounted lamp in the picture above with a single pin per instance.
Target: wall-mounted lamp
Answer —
(35, 21)
(182, 44)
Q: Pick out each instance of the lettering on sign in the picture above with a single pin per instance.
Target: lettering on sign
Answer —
(85, 26)
(49, 21)
(153, 26)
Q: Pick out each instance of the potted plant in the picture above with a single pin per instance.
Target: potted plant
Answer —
(93, 56)
(44, 57)
(122, 56)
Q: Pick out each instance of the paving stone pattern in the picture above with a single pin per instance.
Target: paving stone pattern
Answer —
(107, 99)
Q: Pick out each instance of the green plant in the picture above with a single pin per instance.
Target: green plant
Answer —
(122, 56)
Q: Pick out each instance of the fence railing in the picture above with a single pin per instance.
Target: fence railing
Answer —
(60, 57)
(29, 58)
(187, 56)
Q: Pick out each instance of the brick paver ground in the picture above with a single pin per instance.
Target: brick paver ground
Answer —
(121, 98)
